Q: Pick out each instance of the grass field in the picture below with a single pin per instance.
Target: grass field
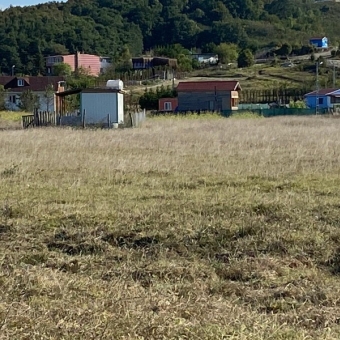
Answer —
(181, 229)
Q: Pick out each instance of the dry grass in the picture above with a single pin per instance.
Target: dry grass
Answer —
(182, 229)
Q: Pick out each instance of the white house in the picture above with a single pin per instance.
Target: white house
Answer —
(43, 87)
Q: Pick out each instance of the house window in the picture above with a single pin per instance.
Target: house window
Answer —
(320, 101)
(167, 106)
(13, 99)
(21, 82)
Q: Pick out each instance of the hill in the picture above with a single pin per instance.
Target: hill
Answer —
(104, 27)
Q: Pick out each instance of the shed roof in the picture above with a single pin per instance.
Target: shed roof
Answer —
(198, 86)
(68, 92)
(88, 90)
(335, 94)
(321, 92)
(317, 38)
(102, 90)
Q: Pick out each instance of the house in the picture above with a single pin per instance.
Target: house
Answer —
(319, 42)
(43, 87)
(335, 100)
(103, 105)
(323, 99)
(167, 104)
(206, 58)
(143, 63)
(95, 65)
(208, 95)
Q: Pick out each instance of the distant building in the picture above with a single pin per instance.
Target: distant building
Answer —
(208, 95)
(319, 42)
(206, 58)
(43, 87)
(95, 65)
(323, 99)
(143, 63)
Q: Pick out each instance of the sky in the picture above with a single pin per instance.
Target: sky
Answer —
(6, 3)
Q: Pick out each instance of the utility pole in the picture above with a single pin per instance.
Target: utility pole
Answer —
(317, 88)
(334, 76)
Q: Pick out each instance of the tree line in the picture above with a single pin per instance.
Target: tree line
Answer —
(111, 28)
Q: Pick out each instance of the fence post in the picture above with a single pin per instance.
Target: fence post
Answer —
(83, 122)
(133, 119)
(108, 121)
(36, 117)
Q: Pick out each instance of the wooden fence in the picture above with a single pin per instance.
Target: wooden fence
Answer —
(272, 95)
(40, 118)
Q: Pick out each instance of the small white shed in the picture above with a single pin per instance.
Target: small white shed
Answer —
(102, 105)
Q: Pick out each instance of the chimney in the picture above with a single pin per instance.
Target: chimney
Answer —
(61, 86)
(76, 61)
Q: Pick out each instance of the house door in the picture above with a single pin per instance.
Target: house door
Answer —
(211, 105)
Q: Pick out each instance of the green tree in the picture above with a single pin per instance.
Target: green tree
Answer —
(170, 51)
(185, 63)
(285, 50)
(103, 26)
(124, 63)
(29, 101)
(62, 69)
(49, 97)
(149, 100)
(227, 53)
(245, 58)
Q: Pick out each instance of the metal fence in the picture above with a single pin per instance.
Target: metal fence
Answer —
(273, 112)
(138, 118)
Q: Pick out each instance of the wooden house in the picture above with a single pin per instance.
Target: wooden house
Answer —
(208, 95)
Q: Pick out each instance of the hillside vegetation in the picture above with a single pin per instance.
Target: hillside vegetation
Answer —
(205, 228)
(109, 27)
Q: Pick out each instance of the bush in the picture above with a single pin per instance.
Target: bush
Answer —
(245, 58)
(299, 104)
(149, 100)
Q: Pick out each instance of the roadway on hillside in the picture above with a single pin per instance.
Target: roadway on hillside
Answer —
(299, 57)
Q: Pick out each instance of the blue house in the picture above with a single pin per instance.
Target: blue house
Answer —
(323, 99)
(319, 42)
